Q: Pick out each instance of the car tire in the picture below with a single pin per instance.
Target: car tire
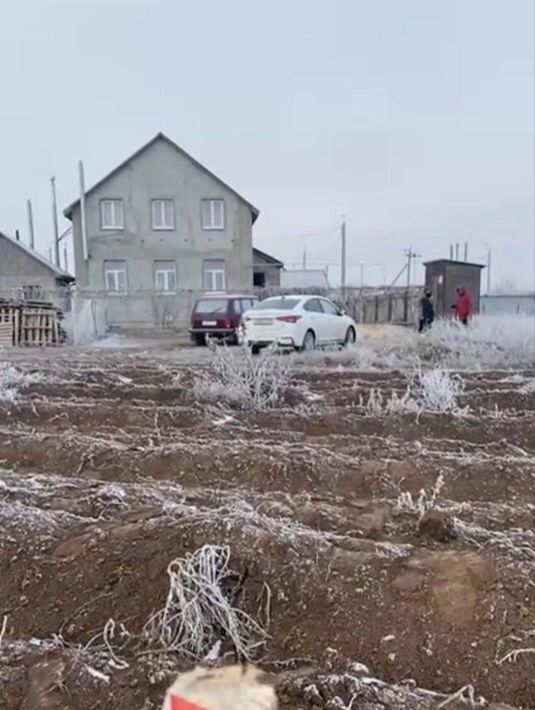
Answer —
(200, 340)
(255, 349)
(309, 341)
(351, 337)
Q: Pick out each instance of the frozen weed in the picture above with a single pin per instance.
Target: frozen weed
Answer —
(438, 391)
(379, 404)
(435, 391)
(425, 501)
(244, 381)
(199, 610)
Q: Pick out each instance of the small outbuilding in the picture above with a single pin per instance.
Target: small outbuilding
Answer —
(444, 276)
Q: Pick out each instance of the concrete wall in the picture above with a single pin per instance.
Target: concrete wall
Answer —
(504, 304)
(161, 172)
(18, 269)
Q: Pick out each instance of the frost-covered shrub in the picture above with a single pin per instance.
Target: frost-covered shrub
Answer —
(244, 381)
(487, 342)
(11, 380)
(438, 391)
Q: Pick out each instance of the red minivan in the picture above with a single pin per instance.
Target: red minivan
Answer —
(219, 317)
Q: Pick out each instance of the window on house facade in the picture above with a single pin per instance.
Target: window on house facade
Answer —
(111, 214)
(163, 214)
(214, 278)
(213, 214)
(165, 276)
(115, 276)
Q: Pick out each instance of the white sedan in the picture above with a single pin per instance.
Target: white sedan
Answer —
(300, 322)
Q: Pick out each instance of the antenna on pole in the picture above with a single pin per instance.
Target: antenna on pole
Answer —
(30, 224)
(55, 221)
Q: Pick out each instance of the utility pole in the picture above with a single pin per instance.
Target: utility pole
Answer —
(65, 258)
(30, 224)
(361, 275)
(466, 251)
(456, 251)
(343, 259)
(304, 259)
(451, 252)
(410, 254)
(55, 221)
(488, 270)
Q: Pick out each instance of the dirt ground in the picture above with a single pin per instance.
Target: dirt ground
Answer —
(110, 469)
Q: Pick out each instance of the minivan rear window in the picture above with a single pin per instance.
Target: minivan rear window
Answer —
(211, 305)
(278, 304)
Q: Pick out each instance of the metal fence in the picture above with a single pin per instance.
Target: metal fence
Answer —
(90, 314)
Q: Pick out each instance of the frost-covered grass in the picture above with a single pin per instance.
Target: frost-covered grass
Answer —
(244, 381)
(12, 380)
(488, 342)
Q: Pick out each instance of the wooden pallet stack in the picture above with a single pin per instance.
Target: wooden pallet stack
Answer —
(30, 324)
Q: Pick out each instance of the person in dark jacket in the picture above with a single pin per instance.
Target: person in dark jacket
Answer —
(427, 312)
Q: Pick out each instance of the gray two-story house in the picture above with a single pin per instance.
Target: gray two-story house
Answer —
(160, 229)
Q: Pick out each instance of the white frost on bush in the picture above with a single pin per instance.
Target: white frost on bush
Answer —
(242, 380)
(12, 380)
(488, 342)
(438, 391)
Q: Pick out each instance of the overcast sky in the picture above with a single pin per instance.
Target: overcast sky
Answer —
(414, 118)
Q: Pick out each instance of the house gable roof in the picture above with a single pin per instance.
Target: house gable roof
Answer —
(60, 274)
(266, 257)
(160, 137)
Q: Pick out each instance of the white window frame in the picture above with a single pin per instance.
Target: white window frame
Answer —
(212, 226)
(158, 204)
(115, 273)
(210, 276)
(117, 210)
(166, 272)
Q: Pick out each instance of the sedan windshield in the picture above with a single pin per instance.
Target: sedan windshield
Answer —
(277, 304)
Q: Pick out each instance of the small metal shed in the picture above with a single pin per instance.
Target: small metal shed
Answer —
(444, 276)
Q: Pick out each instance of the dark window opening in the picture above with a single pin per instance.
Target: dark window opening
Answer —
(259, 279)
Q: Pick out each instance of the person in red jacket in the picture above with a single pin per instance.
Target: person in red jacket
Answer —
(463, 307)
